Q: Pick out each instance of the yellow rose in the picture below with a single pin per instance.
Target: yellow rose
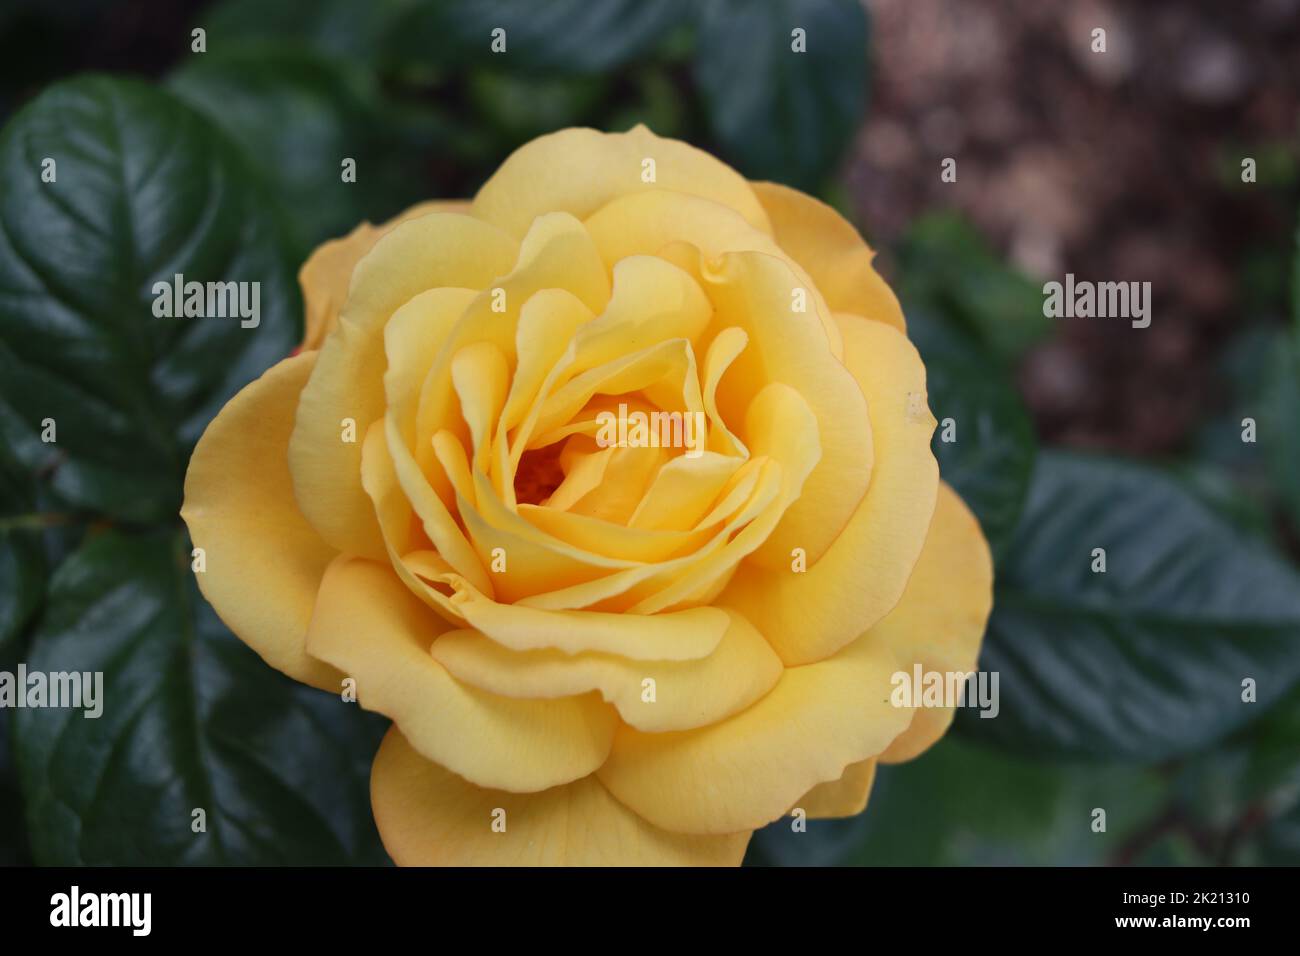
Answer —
(596, 650)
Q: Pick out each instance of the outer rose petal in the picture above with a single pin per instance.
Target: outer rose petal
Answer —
(428, 816)
(348, 383)
(263, 560)
(690, 231)
(845, 797)
(939, 622)
(812, 614)
(752, 768)
(687, 693)
(372, 628)
(830, 249)
(326, 274)
(752, 291)
(579, 170)
(941, 619)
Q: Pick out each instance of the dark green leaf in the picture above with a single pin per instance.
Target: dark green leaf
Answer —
(655, 101)
(1279, 423)
(1261, 369)
(948, 267)
(298, 115)
(1279, 843)
(1146, 660)
(13, 837)
(343, 28)
(961, 805)
(1244, 795)
(523, 107)
(22, 558)
(563, 36)
(145, 189)
(1272, 782)
(1229, 495)
(191, 719)
(780, 114)
(991, 457)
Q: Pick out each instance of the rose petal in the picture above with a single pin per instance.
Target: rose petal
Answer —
(825, 244)
(428, 816)
(433, 251)
(547, 323)
(579, 170)
(741, 669)
(845, 797)
(684, 229)
(652, 301)
(754, 497)
(683, 490)
(327, 273)
(393, 510)
(375, 631)
(940, 621)
(679, 636)
(746, 771)
(413, 338)
(755, 292)
(557, 252)
(810, 615)
(263, 560)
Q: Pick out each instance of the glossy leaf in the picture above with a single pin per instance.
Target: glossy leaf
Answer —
(962, 805)
(191, 719)
(560, 36)
(22, 558)
(1145, 660)
(948, 267)
(780, 114)
(298, 115)
(144, 189)
(990, 457)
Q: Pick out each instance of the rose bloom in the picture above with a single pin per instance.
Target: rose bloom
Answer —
(598, 653)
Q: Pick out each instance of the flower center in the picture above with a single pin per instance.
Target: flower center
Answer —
(539, 474)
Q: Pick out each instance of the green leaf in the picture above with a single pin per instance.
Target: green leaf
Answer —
(341, 28)
(562, 36)
(655, 100)
(22, 557)
(1261, 368)
(948, 267)
(1228, 495)
(522, 107)
(297, 115)
(1279, 423)
(1272, 771)
(961, 805)
(1279, 843)
(13, 838)
(145, 189)
(1242, 795)
(779, 114)
(191, 718)
(1146, 660)
(991, 459)
(1271, 781)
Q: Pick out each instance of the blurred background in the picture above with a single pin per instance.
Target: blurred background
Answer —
(1122, 692)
